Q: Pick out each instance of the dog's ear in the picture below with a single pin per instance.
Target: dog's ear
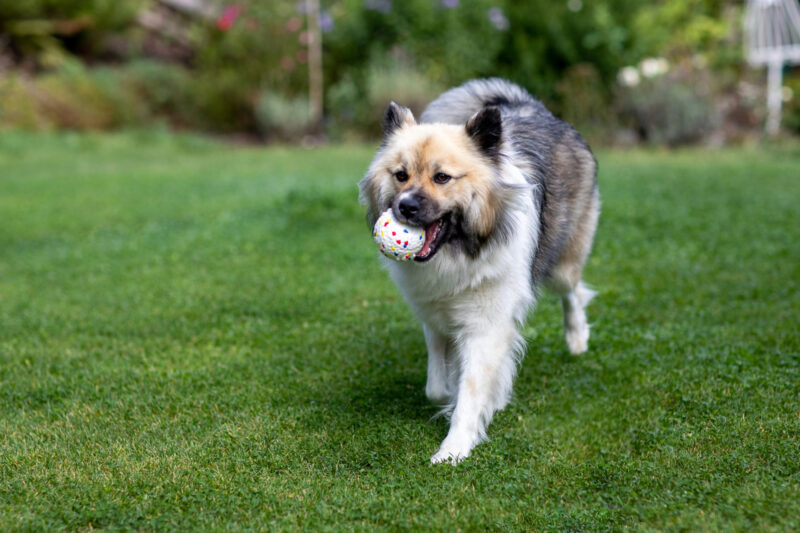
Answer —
(396, 116)
(486, 130)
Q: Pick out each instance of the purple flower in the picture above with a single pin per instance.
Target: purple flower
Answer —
(449, 4)
(325, 21)
(498, 18)
(381, 6)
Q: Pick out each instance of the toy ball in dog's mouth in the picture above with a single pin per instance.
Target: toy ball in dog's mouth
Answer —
(399, 241)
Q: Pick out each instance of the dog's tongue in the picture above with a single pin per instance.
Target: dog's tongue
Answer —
(431, 232)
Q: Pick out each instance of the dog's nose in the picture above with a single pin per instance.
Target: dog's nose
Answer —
(409, 206)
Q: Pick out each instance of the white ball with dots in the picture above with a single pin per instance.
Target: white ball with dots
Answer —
(396, 240)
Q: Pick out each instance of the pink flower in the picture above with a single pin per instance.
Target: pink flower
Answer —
(229, 16)
(293, 24)
(287, 63)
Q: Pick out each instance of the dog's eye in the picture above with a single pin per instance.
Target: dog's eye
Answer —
(401, 175)
(441, 177)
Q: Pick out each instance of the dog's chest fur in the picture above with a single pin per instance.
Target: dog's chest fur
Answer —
(455, 291)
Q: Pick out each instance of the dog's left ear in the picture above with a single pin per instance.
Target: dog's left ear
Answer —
(486, 129)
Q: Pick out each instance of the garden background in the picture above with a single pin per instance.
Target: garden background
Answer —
(623, 71)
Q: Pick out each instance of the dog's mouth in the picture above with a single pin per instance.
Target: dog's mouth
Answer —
(435, 235)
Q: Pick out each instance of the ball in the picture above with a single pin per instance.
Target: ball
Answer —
(396, 240)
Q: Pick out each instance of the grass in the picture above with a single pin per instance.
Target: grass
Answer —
(197, 337)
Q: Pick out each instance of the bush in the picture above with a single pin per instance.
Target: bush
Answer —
(72, 97)
(77, 98)
(400, 84)
(281, 118)
(447, 42)
(585, 102)
(791, 111)
(167, 90)
(357, 109)
(33, 28)
(668, 111)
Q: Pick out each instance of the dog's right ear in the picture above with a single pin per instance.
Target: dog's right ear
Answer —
(396, 116)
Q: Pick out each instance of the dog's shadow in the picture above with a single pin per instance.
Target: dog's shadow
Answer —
(374, 415)
(375, 412)
(374, 393)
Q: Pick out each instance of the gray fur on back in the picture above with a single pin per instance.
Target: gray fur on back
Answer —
(550, 153)
(457, 105)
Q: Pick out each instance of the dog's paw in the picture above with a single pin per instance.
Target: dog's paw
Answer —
(438, 396)
(452, 451)
(451, 458)
(578, 340)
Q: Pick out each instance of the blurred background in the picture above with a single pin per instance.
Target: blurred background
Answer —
(625, 72)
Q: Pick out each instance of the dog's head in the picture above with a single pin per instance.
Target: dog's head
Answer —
(443, 177)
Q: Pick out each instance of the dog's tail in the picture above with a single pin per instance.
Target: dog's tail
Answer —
(457, 105)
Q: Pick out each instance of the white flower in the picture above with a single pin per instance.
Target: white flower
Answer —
(654, 66)
(629, 77)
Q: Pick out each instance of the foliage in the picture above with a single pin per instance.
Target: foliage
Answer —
(449, 45)
(72, 97)
(668, 111)
(200, 338)
(168, 91)
(374, 55)
(283, 118)
(791, 111)
(682, 28)
(361, 109)
(46, 29)
(568, 53)
(79, 98)
(446, 44)
(261, 45)
(547, 38)
(585, 103)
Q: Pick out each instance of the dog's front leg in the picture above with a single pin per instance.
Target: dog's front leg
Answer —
(484, 386)
(437, 388)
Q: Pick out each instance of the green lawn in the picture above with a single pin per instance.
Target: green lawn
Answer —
(197, 337)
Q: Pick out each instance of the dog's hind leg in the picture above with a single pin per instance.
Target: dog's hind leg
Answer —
(575, 296)
(565, 279)
(576, 329)
(438, 388)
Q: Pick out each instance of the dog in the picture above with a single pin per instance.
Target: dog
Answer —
(507, 194)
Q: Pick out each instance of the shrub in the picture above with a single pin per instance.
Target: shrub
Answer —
(33, 28)
(791, 111)
(669, 111)
(17, 107)
(168, 90)
(585, 102)
(71, 97)
(344, 102)
(403, 85)
(281, 118)
(355, 108)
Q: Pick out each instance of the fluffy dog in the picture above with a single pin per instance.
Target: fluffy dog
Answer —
(508, 196)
